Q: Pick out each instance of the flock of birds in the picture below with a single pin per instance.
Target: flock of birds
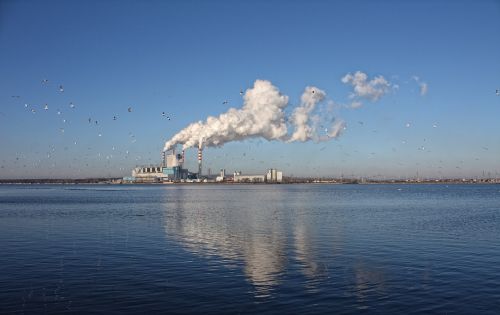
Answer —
(20, 158)
(52, 149)
(72, 106)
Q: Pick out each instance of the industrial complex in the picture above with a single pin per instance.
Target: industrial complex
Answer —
(171, 170)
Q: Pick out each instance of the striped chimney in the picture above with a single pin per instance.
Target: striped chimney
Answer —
(199, 162)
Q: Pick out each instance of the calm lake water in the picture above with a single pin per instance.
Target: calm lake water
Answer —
(213, 249)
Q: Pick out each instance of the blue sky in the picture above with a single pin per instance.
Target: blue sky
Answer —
(185, 58)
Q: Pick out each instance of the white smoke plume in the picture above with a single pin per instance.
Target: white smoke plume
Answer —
(372, 89)
(262, 115)
(336, 129)
(301, 115)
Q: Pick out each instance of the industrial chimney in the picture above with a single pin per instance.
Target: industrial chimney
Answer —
(199, 162)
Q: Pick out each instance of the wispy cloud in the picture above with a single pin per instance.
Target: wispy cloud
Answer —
(423, 88)
(363, 88)
(423, 85)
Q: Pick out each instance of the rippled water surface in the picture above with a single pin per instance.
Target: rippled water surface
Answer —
(291, 249)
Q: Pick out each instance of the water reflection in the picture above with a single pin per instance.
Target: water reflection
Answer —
(271, 239)
(368, 281)
(241, 235)
(310, 266)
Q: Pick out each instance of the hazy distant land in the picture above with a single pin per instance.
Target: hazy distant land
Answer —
(286, 180)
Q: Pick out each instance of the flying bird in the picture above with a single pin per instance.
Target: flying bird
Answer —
(130, 109)
(61, 89)
(241, 92)
(498, 92)
(46, 107)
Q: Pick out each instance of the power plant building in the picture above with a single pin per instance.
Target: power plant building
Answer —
(170, 170)
(172, 166)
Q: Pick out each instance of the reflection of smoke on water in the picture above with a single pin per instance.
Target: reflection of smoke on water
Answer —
(237, 233)
(305, 255)
(317, 241)
(265, 260)
(368, 281)
(269, 239)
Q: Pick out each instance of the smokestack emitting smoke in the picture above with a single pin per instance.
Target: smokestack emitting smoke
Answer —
(262, 115)
(199, 161)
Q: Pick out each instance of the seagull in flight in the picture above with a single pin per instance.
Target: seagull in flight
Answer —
(225, 102)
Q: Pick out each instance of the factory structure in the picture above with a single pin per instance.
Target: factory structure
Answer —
(272, 176)
(172, 170)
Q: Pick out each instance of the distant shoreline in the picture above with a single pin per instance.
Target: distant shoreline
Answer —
(119, 181)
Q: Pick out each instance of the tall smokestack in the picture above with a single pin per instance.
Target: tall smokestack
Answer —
(182, 164)
(199, 162)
